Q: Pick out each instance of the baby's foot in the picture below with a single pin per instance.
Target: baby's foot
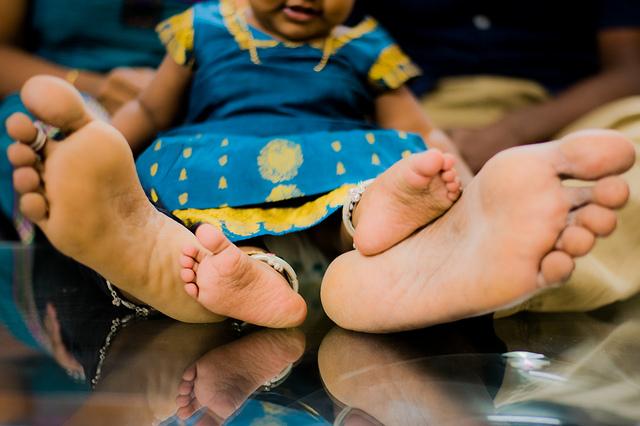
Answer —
(84, 194)
(516, 231)
(223, 265)
(409, 195)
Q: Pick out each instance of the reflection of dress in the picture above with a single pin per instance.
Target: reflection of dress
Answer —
(94, 35)
(269, 121)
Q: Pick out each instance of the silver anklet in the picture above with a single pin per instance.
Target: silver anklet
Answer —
(277, 380)
(282, 267)
(116, 325)
(116, 300)
(353, 198)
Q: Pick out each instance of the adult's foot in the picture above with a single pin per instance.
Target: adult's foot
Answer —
(515, 231)
(85, 195)
(409, 195)
(209, 273)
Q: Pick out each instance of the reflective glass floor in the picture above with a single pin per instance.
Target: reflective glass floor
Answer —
(68, 356)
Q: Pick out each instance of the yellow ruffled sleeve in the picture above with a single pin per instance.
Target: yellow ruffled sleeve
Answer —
(176, 33)
(392, 68)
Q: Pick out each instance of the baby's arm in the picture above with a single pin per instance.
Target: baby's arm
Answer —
(399, 109)
(157, 106)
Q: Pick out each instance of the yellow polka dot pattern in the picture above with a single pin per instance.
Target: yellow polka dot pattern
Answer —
(371, 138)
(280, 160)
(222, 183)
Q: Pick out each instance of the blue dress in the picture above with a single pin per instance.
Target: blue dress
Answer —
(93, 35)
(275, 132)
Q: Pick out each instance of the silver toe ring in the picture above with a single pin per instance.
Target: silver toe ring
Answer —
(353, 198)
(40, 140)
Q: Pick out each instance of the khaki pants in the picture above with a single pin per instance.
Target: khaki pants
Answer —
(611, 272)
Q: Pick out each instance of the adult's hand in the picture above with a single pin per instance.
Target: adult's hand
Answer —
(122, 85)
(477, 146)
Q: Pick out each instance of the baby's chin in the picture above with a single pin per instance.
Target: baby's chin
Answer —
(300, 33)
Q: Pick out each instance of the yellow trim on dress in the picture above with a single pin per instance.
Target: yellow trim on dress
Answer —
(393, 68)
(237, 26)
(239, 29)
(332, 44)
(177, 34)
(246, 222)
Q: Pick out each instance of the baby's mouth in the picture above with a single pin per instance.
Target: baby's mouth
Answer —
(300, 13)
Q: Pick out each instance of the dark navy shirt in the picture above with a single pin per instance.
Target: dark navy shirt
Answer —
(553, 42)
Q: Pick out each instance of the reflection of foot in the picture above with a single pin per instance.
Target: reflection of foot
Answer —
(59, 350)
(144, 365)
(222, 266)
(223, 379)
(389, 384)
(406, 197)
(515, 230)
(85, 196)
